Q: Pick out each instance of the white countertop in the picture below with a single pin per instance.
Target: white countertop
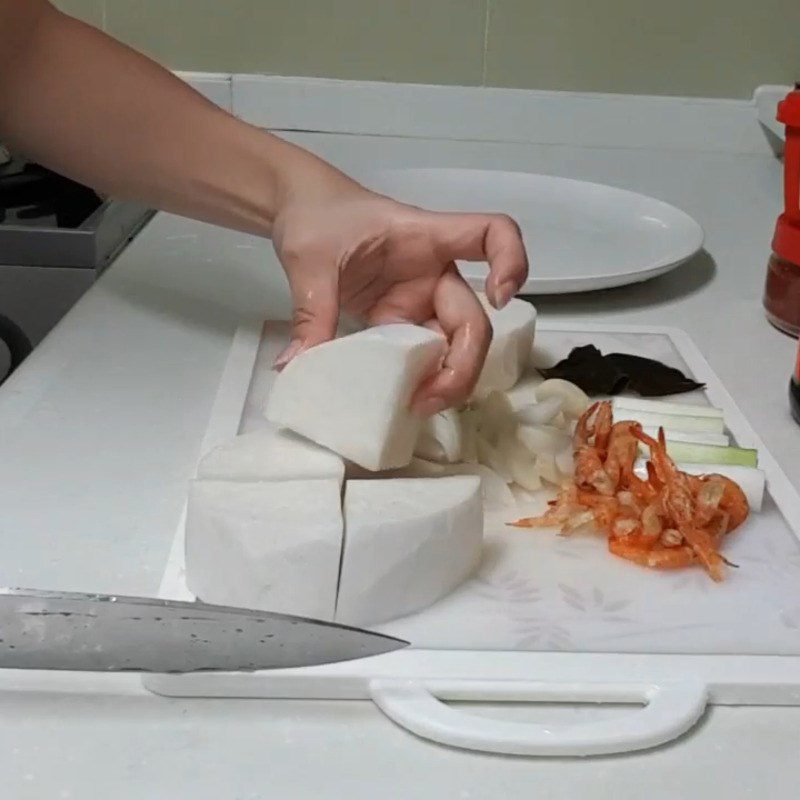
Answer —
(101, 428)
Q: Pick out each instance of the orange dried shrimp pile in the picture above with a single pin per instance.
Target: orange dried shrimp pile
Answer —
(668, 520)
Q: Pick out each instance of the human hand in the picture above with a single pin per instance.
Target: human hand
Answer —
(341, 245)
(381, 261)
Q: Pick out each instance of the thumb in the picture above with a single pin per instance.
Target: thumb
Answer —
(315, 300)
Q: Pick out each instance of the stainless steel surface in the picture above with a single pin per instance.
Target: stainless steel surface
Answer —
(74, 631)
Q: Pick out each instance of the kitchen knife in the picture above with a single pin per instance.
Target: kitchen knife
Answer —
(75, 631)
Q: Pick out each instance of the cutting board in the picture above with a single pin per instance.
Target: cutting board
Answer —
(542, 605)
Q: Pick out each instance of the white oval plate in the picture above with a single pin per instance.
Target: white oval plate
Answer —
(580, 236)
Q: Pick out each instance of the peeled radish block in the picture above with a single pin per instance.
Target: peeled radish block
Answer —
(274, 546)
(352, 394)
(408, 543)
(510, 350)
(270, 454)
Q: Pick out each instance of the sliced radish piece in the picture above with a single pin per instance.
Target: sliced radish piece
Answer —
(496, 493)
(522, 464)
(560, 421)
(542, 439)
(523, 392)
(491, 456)
(428, 448)
(421, 468)
(540, 413)
(546, 465)
(496, 416)
(523, 495)
(565, 462)
(469, 418)
(576, 401)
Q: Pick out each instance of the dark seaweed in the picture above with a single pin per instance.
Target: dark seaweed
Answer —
(597, 374)
(651, 378)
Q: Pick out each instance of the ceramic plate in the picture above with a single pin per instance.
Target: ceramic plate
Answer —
(580, 236)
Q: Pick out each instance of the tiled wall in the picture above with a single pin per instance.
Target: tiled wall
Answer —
(714, 48)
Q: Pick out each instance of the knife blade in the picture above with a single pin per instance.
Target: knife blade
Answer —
(76, 631)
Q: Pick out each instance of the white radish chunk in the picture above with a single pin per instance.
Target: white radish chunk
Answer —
(272, 545)
(425, 469)
(509, 353)
(352, 394)
(540, 413)
(440, 437)
(408, 543)
(270, 454)
(543, 439)
(416, 468)
(576, 401)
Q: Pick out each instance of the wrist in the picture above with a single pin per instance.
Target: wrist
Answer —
(281, 176)
(302, 178)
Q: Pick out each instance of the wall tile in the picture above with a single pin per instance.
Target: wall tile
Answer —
(715, 48)
(428, 41)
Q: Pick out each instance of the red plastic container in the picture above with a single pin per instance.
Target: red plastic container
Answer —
(782, 290)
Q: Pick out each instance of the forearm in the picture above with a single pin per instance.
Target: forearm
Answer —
(90, 108)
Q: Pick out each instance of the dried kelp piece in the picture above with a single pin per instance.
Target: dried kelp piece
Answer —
(651, 378)
(611, 374)
(588, 368)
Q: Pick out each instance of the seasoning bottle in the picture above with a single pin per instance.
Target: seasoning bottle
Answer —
(782, 290)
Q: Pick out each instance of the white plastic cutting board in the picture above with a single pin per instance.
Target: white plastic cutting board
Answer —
(584, 236)
(556, 607)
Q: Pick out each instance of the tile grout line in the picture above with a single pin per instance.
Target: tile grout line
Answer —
(486, 19)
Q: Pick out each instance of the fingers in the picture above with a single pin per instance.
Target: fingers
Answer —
(508, 261)
(464, 322)
(408, 301)
(495, 238)
(315, 297)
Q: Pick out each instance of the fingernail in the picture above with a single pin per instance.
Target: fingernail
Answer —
(286, 355)
(430, 406)
(505, 291)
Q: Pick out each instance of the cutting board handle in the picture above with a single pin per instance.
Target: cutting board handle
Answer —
(669, 710)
